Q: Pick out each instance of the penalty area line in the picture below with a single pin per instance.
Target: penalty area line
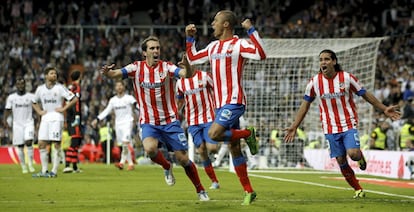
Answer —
(327, 186)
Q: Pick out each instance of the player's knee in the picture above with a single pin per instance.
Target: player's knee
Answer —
(20, 146)
(214, 134)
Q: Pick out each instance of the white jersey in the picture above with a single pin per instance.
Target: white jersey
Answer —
(52, 98)
(123, 108)
(21, 106)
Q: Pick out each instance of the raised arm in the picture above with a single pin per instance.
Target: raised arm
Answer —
(389, 111)
(255, 49)
(194, 56)
(108, 71)
(300, 115)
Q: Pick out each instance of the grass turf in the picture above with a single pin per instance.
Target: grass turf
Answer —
(105, 188)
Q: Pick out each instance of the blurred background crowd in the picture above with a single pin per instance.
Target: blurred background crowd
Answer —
(35, 34)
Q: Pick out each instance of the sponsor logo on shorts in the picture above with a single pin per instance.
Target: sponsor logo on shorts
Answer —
(182, 137)
(225, 115)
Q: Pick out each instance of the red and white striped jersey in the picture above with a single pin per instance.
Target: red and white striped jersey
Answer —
(227, 58)
(197, 91)
(154, 89)
(337, 108)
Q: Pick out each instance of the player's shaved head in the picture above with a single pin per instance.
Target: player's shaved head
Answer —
(229, 16)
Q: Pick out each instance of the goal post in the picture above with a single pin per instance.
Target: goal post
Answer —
(275, 86)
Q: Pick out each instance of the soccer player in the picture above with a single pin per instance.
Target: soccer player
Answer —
(73, 122)
(19, 105)
(123, 106)
(334, 89)
(51, 96)
(227, 56)
(153, 81)
(195, 95)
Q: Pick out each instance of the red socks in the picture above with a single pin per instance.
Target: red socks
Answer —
(192, 174)
(160, 159)
(349, 175)
(238, 134)
(241, 170)
(210, 171)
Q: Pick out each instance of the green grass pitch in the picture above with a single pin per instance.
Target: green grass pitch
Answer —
(105, 188)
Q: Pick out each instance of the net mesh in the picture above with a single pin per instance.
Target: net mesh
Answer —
(275, 89)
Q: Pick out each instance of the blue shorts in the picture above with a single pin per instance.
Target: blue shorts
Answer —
(171, 135)
(228, 115)
(200, 134)
(340, 142)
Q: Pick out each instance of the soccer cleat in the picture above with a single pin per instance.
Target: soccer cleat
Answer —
(120, 166)
(51, 175)
(169, 177)
(215, 185)
(202, 196)
(77, 171)
(251, 141)
(359, 194)
(362, 163)
(25, 170)
(67, 170)
(31, 169)
(41, 174)
(131, 167)
(249, 198)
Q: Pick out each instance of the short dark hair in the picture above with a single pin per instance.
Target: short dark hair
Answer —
(230, 17)
(75, 75)
(333, 57)
(145, 41)
(48, 69)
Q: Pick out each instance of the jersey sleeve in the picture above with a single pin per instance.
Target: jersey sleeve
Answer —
(106, 111)
(356, 86)
(8, 103)
(68, 95)
(36, 97)
(179, 90)
(194, 56)
(129, 70)
(253, 48)
(309, 92)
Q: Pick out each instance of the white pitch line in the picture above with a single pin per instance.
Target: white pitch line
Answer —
(327, 186)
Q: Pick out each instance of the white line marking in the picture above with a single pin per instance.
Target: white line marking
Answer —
(327, 186)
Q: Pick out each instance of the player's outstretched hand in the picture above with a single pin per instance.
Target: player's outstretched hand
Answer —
(190, 30)
(106, 68)
(392, 113)
(247, 24)
(290, 134)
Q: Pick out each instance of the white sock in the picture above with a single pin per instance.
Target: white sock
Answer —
(56, 160)
(222, 152)
(44, 159)
(30, 155)
(20, 153)
(251, 158)
(124, 153)
(129, 158)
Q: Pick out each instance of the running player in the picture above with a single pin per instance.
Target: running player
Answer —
(73, 123)
(19, 104)
(154, 90)
(195, 95)
(334, 88)
(123, 106)
(51, 96)
(227, 56)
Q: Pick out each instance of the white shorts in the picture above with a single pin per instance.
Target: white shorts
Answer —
(23, 132)
(50, 131)
(123, 132)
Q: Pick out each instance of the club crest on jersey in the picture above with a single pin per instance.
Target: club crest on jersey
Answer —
(200, 83)
(230, 49)
(342, 85)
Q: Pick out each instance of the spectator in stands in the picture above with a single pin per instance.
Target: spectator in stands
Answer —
(378, 139)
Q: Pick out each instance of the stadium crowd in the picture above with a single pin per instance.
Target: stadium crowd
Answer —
(33, 37)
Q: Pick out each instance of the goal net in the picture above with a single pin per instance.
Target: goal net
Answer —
(275, 89)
